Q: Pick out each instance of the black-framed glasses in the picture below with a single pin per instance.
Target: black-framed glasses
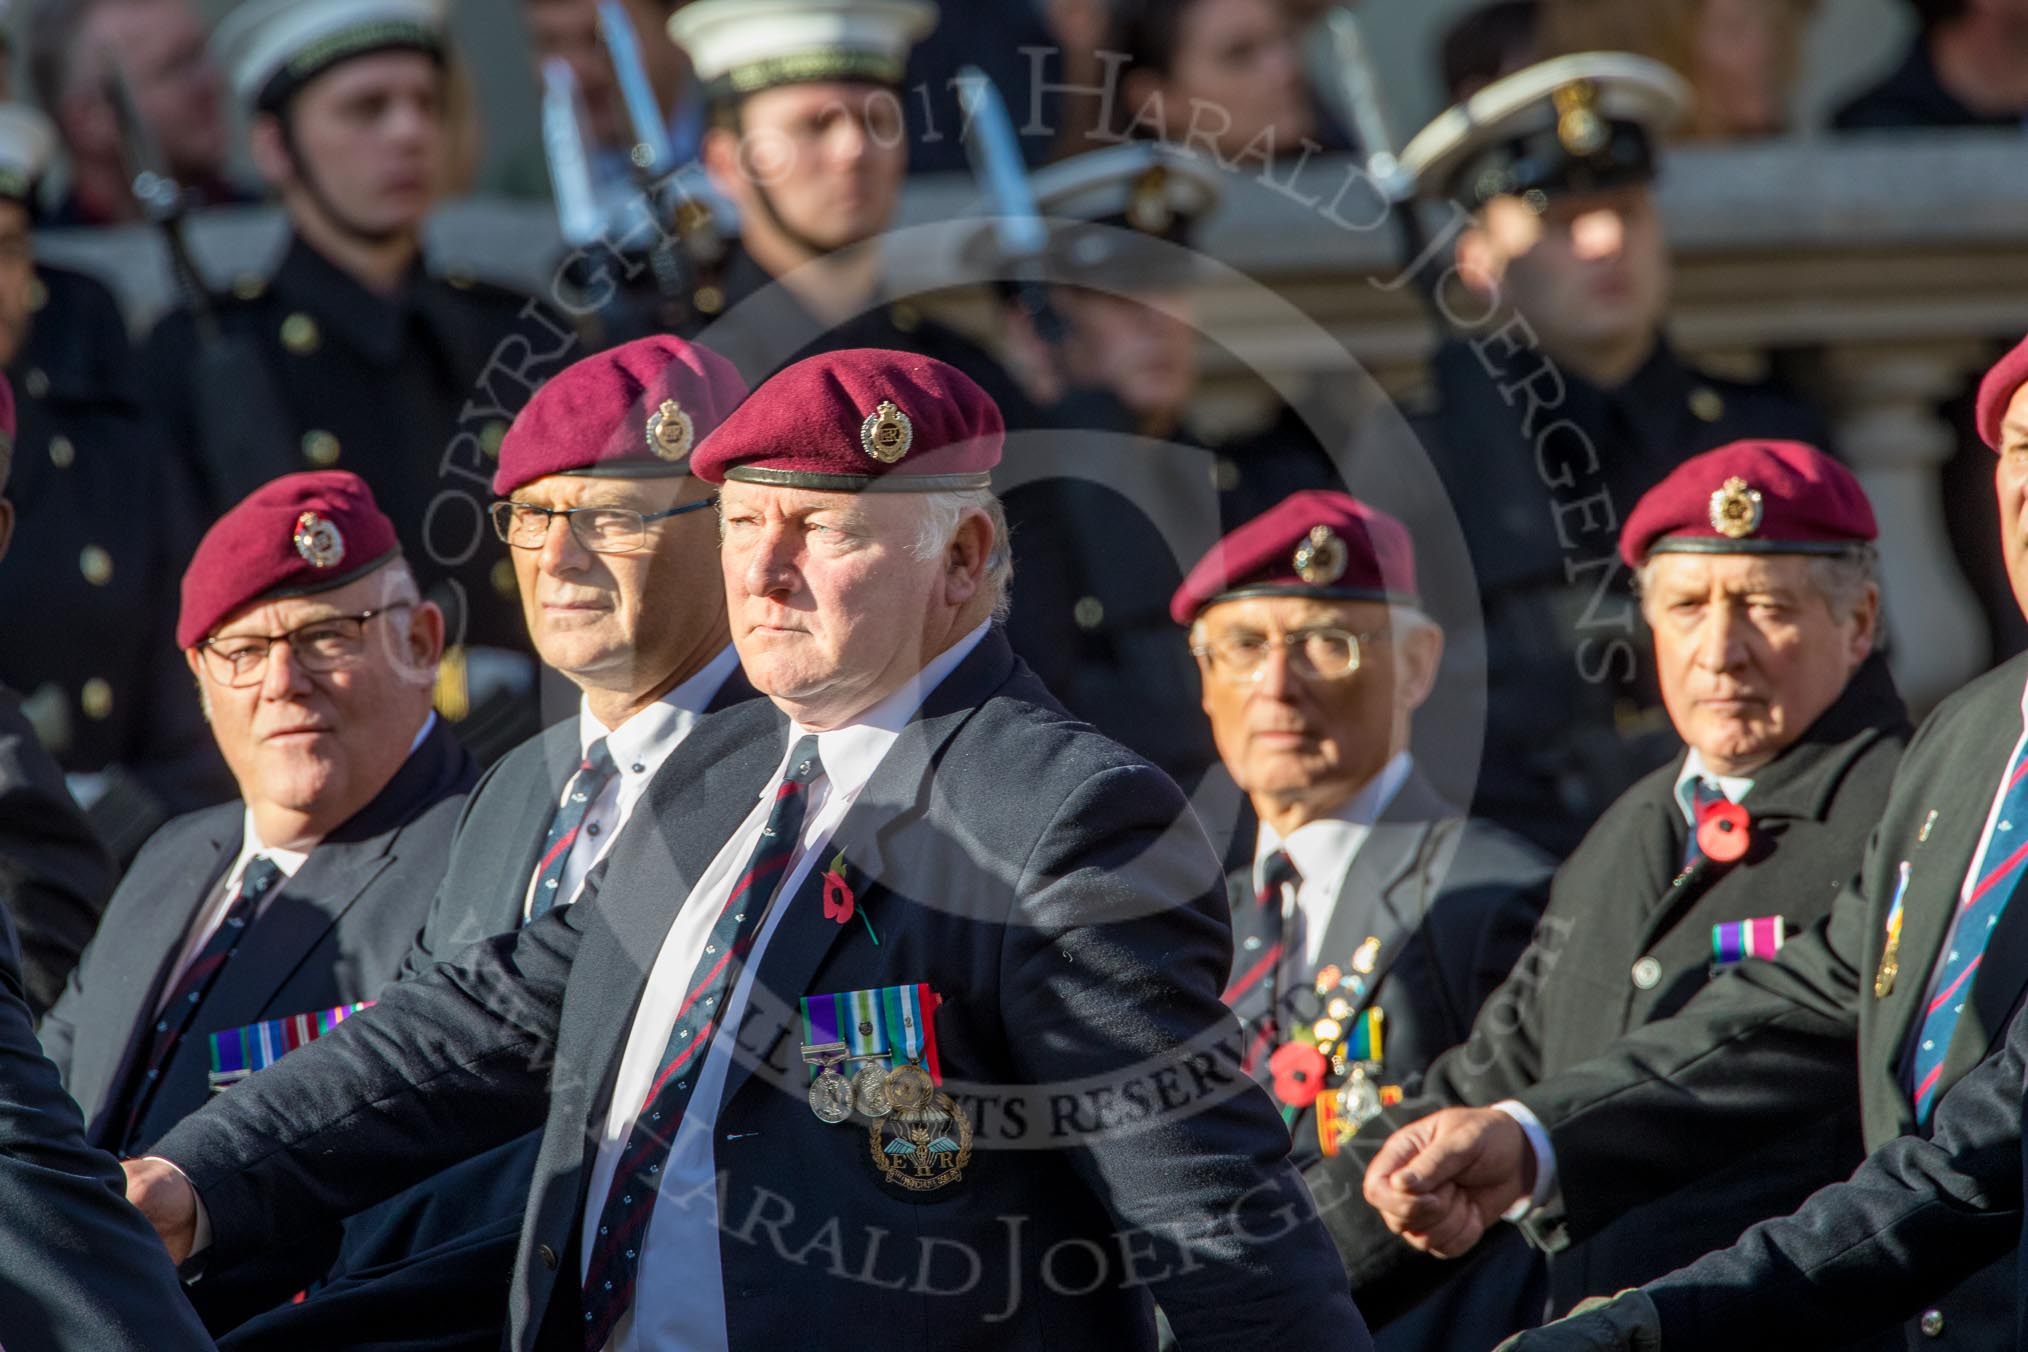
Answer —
(1326, 652)
(332, 643)
(602, 530)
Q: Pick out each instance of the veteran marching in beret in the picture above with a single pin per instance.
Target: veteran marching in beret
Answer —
(1553, 169)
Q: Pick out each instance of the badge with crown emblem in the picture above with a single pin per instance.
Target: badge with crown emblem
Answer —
(1320, 559)
(887, 434)
(1736, 509)
(670, 431)
(1149, 210)
(318, 541)
(1578, 125)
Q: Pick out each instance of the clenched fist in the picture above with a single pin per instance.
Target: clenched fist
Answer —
(161, 1192)
(1442, 1181)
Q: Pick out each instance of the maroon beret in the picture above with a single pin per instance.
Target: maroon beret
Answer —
(636, 411)
(1997, 391)
(857, 420)
(1751, 497)
(295, 536)
(1312, 543)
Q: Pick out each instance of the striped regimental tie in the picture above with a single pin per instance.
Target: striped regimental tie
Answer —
(593, 774)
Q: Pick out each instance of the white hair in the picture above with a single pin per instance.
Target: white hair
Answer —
(941, 513)
(1842, 579)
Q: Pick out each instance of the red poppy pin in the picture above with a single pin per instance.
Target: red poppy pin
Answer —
(840, 902)
(1299, 1070)
(1722, 833)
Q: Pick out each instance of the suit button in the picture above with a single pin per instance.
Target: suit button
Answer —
(1647, 974)
(548, 1257)
(1932, 1323)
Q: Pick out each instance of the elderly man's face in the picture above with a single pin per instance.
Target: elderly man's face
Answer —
(2010, 478)
(319, 745)
(620, 622)
(1290, 734)
(831, 610)
(1749, 651)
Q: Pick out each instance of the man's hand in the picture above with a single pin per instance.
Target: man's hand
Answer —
(1441, 1182)
(161, 1192)
(1628, 1322)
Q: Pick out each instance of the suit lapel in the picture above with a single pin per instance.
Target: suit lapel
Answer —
(535, 802)
(1378, 900)
(293, 920)
(139, 967)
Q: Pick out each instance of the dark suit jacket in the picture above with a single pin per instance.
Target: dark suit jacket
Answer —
(81, 1269)
(1452, 902)
(1660, 1111)
(1052, 888)
(334, 934)
(54, 875)
(1622, 898)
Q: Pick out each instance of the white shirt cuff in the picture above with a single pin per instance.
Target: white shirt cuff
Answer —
(1546, 1190)
(201, 1236)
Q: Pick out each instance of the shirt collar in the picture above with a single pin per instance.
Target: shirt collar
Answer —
(1734, 787)
(662, 724)
(1323, 849)
(852, 753)
(250, 844)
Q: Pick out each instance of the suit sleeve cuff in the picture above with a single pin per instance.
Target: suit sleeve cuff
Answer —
(1546, 1192)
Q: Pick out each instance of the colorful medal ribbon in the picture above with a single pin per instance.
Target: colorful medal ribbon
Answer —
(911, 1027)
(894, 1024)
(821, 1043)
(1761, 937)
(238, 1052)
(1363, 1038)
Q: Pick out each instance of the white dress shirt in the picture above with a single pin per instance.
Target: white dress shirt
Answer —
(1323, 851)
(638, 747)
(679, 1296)
(1734, 787)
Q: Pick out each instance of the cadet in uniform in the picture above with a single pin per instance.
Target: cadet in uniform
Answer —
(1555, 415)
(1755, 566)
(366, 361)
(808, 143)
(104, 522)
(1113, 493)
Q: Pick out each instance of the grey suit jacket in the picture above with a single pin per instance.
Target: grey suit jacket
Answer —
(333, 934)
(498, 839)
(79, 1268)
(1053, 888)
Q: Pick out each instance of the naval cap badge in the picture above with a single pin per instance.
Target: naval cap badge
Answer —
(887, 434)
(1736, 509)
(319, 541)
(670, 431)
(1320, 559)
(1578, 125)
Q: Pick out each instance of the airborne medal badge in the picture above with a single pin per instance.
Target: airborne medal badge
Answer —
(922, 1149)
(670, 432)
(917, 1136)
(318, 541)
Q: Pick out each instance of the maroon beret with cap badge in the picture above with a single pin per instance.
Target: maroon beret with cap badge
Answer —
(1751, 497)
(1997, 391)
(1313, 543)
(295, 536)
(860, 420)
(636, 411)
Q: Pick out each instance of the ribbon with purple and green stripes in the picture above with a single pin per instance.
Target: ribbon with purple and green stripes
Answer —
(238, 1052)
(1738, 940)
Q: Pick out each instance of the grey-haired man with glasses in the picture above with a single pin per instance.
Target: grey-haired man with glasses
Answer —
(314, 659)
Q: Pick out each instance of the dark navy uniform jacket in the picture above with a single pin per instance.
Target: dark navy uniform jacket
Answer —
(105, 519)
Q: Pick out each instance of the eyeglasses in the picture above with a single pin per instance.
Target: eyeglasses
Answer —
(602, 530)
(330, 644)
(1326, 654)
